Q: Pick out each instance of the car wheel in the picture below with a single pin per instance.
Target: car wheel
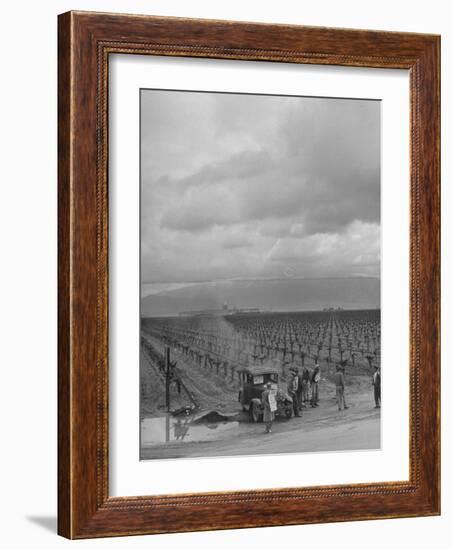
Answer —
(254, 412)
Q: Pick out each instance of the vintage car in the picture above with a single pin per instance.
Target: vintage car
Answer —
(254, 380)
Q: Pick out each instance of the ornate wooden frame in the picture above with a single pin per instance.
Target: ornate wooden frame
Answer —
(84, 44)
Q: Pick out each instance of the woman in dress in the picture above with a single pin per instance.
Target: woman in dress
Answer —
(269, 415)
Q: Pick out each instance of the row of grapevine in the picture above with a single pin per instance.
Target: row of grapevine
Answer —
(224, 344)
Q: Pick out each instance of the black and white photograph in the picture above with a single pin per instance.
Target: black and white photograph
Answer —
(260, 274)
(225, 231)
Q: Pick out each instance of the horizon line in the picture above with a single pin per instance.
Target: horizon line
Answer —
(265, 311)
(259, 279)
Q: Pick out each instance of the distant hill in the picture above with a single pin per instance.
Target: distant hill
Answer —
(269, 294)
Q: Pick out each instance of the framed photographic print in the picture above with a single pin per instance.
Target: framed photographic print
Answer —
(248, 275)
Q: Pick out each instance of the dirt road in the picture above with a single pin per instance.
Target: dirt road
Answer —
(320, 429)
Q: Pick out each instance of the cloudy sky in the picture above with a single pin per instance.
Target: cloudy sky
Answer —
(249, 186)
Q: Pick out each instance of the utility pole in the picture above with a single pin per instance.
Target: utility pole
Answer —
(167, 370)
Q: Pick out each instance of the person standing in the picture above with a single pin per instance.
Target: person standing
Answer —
(315, 379)
(299, 392)
(340, 388)
(376, 383)
(268, 402)
(294, 387)
(305, 377)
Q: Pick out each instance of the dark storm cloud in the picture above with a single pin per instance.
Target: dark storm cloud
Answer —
(278, 178)
(321, 165)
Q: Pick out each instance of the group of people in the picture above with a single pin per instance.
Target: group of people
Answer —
(304, 388)
(299, 387)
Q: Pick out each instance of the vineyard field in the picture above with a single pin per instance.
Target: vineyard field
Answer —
(210, 350)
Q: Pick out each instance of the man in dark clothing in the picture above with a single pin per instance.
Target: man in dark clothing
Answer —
(315, 379)
(294, 387)
(299, 391)
(376, 383)
(305, 380)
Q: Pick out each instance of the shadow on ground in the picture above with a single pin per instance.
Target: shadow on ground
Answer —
(49, 523)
